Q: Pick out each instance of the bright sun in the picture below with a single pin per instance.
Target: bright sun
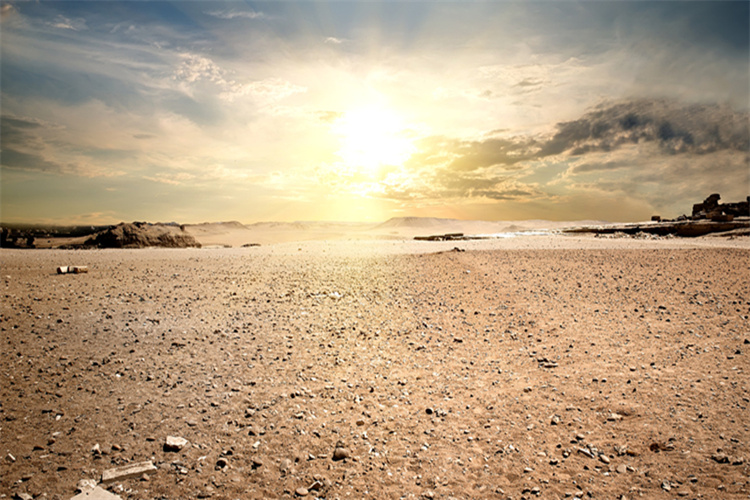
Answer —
(372, 138)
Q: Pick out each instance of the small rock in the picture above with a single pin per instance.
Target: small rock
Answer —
(257, 463)
(301, 492)
(341, 453)
(85, 485)
(285, 466)
(23, 496)
(175, 443)
(221, 463)
(604, 458)
(96, 449)
(666, 486)
(720, 458)
(622, 469)
(554, 420)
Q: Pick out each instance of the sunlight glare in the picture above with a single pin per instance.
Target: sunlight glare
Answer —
(372, 138)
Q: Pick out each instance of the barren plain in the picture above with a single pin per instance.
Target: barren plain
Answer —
(527, 367)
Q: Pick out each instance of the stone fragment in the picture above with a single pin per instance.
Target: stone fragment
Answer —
(340, 453)
(22, 496)
(720, 458)
(173, 443)
(127, 471)
(285, 466)
(301, 492)
(96, 494)
(85, 485)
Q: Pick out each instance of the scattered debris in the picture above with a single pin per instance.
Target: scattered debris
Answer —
(127, 471)
(72, 269)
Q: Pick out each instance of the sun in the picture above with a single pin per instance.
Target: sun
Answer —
(371, 138)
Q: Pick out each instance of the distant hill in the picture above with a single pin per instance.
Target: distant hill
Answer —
(141, 235)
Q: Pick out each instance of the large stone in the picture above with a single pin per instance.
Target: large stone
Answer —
(96, 494)
(175, 443)
(127, 471)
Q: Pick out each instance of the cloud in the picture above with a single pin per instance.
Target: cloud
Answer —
(333, 40)
(653, 152)
(270, 89)
(7, 10)
(675, 127)
(19, 160)
(195, 68)
(237, 14)
(65, 23)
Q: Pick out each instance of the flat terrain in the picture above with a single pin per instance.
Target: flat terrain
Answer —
(519, 368)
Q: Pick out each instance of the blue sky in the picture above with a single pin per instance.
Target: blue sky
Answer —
(209, 111)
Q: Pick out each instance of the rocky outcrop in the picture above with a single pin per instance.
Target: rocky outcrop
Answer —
(142, 235)
(712, 209)
(708, 217)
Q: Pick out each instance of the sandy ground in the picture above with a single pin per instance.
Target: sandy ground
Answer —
(530, 367)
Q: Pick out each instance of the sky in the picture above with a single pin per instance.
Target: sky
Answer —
(195, 111)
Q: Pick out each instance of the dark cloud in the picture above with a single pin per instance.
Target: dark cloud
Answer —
(16, 134)
(18, 160)
(597, 167)
(676, 128)
(670, 144)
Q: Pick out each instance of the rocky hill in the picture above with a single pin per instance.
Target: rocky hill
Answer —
(142, 235)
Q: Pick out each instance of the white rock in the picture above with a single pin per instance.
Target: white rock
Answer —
(96, 493)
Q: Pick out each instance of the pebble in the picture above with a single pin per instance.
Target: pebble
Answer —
(285, 466)
(302, 492)
(341, 453)
(622, 469)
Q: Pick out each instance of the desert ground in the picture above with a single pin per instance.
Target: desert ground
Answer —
(522, 367)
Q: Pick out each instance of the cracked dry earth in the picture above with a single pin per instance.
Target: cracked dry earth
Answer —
(477, 374)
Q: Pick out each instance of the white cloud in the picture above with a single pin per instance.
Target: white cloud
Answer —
(62, 22)
(269, 90)
(195, 67)
(235, 14)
